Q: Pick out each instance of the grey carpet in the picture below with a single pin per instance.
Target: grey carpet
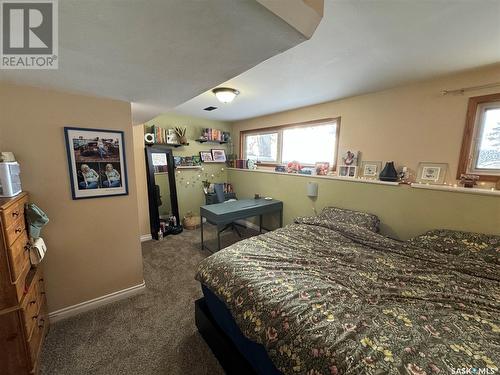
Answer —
(152, 333)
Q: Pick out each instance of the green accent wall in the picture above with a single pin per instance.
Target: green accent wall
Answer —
(190, 196)
(403, 211)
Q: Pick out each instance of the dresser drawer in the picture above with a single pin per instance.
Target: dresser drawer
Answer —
(19, 256)
(31, 308)
(13, 232)
(14, 211)
(39, 331)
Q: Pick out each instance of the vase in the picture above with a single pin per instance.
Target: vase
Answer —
(389, 173)
(183, 140)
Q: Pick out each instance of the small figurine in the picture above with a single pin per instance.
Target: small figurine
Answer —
(468, 180)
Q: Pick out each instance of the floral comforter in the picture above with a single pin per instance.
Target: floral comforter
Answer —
(332, 298)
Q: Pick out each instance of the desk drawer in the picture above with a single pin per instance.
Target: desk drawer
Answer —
(13, 232)
(14, 212)
(19, 256)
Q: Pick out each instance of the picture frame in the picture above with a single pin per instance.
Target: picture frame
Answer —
(218, 155)
(350, 158)
(322, 168)
(96, 162)
(431, 173)
(206, 156)
(370, 169)
(348, 171)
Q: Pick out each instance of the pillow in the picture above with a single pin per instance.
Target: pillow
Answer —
(460, 244)
(342, 215)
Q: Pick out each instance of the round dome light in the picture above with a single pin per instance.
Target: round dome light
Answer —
(225, 94)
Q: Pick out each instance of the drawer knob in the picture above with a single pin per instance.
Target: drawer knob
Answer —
(40, 279)
(15, 214)
(18, 230)
(35, 317)
(41, 323)
(26, 247)
(32, 302)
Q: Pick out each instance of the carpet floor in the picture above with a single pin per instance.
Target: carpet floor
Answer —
(152, 333)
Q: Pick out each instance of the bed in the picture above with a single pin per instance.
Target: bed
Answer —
(329, 295)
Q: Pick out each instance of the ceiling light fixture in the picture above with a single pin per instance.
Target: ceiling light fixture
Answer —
(225, 94)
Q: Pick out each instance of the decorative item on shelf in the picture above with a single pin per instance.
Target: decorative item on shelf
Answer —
(431, 173)
(308, 171)
(348, 171)
(241, 163)
(181, 135)
(497, 186)
(293, 167)
(214, 135)
(7, 157)
(231, 160)
(469, 180)
(322, 168)
(350, 158)
(172, 137)
(219, 155)
(251, 164)
(191, 221)
(280, 168)
(370, 169)
(206, 156)
(389, 172)
(196, 160)
(405, 176)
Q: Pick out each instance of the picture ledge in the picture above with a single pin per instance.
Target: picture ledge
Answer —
(447, 188)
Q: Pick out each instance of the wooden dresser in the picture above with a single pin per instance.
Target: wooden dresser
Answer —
(23, 306)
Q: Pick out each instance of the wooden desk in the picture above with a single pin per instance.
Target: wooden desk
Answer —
(222, 214)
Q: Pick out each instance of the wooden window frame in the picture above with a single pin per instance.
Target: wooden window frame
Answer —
(303, 124)
(468, 137)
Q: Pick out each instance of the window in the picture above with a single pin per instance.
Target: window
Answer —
(481, 143)
(306, 143)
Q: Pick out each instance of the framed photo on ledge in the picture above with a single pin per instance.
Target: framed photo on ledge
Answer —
(370, 169)
(219, 155)
(431, 173)
(96, 161)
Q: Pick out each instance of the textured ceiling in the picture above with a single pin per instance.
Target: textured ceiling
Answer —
(158, 53)
(363, 46)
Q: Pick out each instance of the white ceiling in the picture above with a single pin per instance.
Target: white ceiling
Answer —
(363, 46)
(158, 53)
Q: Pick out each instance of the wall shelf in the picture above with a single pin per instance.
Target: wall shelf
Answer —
(211, 141)
(348, 179)
(175, 145)
(457, 189)
(188, 167)
(447, 188)
(214, 162)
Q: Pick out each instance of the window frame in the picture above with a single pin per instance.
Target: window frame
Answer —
(279, 129)
(471, 137)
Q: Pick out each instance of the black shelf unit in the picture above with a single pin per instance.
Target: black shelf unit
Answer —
(175, 145)
(211, 141)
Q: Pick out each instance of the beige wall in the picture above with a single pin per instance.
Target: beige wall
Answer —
(93, 244)
(190, 196)
(409, 124)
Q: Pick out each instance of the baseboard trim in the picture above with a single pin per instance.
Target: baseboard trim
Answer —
(70, 311)
(146, 237)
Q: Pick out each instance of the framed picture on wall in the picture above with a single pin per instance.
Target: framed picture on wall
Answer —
(96, 160)
(219, 155)
(206, 156)
(370, 169)
(431, 173)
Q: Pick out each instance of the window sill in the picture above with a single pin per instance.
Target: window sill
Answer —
(447, 188)
(348, 179)
(457, 189)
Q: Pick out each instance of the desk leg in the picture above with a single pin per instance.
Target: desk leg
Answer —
(281, 219)
(260, 223)
(218, 238)
(201, 230)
